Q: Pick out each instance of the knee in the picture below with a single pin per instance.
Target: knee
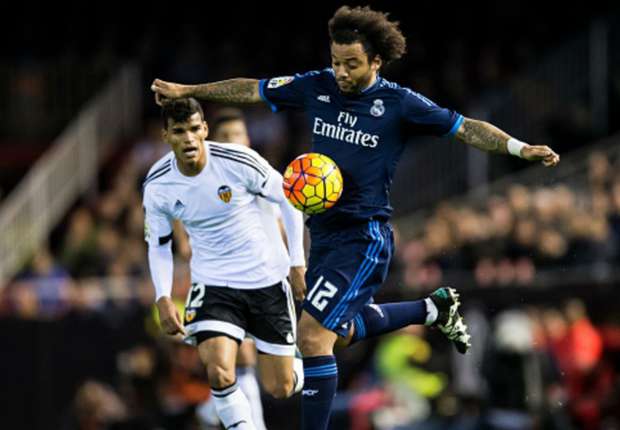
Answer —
(279, 388)
(309, 343)
(313, 342)
(220, 376)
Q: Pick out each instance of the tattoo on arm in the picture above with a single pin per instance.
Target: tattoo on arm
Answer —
(482, 135)
(239, 90)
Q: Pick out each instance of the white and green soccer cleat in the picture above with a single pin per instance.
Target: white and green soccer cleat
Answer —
(449, 321)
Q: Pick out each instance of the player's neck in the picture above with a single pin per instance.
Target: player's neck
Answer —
(193, 169)
(371, 82)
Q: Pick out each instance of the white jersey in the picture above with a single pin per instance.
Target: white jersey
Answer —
(220, 211)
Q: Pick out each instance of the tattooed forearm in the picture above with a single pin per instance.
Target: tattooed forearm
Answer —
(230, 91)
(483, 135)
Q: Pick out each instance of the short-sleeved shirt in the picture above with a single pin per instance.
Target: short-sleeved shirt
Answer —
(364, 134)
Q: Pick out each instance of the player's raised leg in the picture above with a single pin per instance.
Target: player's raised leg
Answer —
(440, 309)
(218, 354)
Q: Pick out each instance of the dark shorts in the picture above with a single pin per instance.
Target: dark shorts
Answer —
(345, 270)
(266, 315)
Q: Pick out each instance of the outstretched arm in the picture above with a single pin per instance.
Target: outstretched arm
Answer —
(240, 90)
(487, 137)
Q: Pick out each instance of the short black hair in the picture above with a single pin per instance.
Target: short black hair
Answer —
(225, 115)
(377, 34)
(180, 110)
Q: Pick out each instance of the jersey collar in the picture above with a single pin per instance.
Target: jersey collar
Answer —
(365, 91)
(372, 86)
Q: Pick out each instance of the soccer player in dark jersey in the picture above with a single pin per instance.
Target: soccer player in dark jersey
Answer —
(362, 121)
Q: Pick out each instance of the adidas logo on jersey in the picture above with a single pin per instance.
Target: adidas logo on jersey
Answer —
(324, 99)
(178, 205)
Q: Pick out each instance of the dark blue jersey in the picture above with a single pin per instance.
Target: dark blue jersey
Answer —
(364, 134)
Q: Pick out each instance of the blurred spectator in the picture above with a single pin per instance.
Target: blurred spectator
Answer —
(79, 249)
(517, 376)
(97, 407)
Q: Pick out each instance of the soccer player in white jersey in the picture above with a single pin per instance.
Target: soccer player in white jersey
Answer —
(228, 126)
(238, 286)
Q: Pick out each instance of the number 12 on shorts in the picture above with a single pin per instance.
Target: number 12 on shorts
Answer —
(321, 292)
(195, 296)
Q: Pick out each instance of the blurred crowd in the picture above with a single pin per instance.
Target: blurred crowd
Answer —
(515, 237)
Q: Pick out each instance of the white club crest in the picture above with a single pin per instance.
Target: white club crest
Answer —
(377, 108)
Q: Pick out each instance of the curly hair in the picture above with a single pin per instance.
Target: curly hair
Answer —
(378, 35)
(180, 110)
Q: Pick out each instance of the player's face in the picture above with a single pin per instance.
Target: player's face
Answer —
(233, 131)
(351, 67)
(187, 140)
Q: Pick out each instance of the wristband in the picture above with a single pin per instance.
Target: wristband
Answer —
(514, 147)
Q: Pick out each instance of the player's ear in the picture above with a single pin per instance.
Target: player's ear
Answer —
(376, 63)
(206, 128)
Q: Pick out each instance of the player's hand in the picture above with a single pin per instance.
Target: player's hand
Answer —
(169, 317)
(298, 282)
(169, 90)
(540, 153)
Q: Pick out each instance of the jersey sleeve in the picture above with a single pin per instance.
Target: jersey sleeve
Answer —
(157, 223)
(423, 117)
(286, 92)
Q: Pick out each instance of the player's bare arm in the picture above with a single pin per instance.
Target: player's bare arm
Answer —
(239, 90)
(487, 137)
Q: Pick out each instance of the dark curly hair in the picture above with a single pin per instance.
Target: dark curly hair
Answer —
(378, 35)
(179, 110)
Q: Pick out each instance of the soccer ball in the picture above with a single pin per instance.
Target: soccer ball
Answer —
(312, 183)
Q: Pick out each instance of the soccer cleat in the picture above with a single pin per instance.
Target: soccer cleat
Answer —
(449, 321)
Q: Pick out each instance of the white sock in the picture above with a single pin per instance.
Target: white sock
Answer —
(206, 413)
(246, 378)
(431, 312)
(233, 408)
